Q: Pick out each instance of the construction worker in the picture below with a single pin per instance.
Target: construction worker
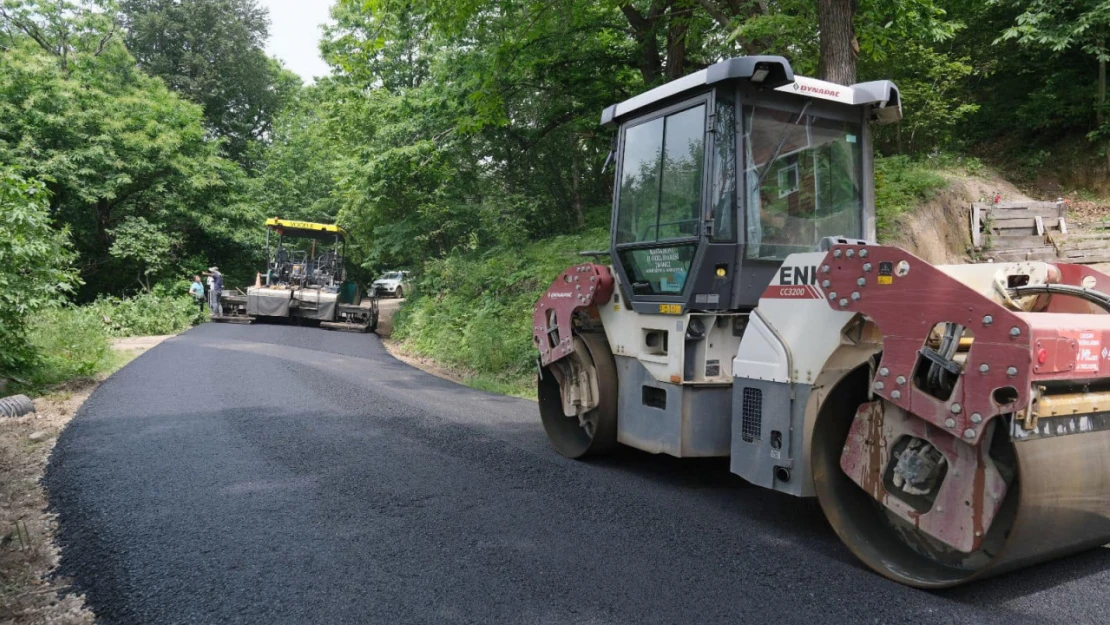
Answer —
(196, 289)
(214, 290)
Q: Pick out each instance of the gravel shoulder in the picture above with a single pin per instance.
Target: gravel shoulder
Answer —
(277, 474)
(28, 553)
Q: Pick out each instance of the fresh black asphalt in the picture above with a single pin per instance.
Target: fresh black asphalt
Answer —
(276, 474)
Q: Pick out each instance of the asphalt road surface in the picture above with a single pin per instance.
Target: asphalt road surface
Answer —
(272, 474)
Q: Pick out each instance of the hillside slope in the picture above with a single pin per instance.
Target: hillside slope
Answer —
(937, 228)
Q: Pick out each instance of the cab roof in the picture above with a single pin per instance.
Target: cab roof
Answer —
(772, 72)
(304, 228)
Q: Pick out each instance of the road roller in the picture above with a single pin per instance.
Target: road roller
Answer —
(952, 421)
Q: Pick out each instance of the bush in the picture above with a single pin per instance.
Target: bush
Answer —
(71, 342)
(475, 310)
(901, 183)
(145, 314)
(75, 341)
(35, 267)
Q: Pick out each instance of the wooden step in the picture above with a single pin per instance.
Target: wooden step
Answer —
(1086, 252)
(1017, 213)
(1022, 205)
(1097, 256)
(1083, 244)
(1017, 255)
(1083, 235)
(1007, 240)
(1013, 222)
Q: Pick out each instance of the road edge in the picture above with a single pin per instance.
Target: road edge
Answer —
(32, 591)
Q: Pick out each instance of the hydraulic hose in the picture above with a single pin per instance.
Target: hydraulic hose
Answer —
(1098, 298)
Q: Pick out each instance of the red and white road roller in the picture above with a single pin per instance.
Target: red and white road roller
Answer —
(953, 421)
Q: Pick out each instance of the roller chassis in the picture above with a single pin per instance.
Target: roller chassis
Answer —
(361, 317)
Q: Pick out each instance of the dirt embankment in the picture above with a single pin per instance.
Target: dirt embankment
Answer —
(27, 551)
(387, 308)
(939, 231)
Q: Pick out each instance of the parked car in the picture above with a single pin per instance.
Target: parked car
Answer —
(393, 284)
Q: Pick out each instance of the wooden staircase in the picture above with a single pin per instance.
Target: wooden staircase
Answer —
(1017, 231)
(1028, 230)
(1084, 246)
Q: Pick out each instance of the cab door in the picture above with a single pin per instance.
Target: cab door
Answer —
(664, 218)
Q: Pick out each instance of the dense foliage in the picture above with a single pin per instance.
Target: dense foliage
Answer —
(115, 146)
(210, 52)
(74, 341)
(475, 310)
(34, 267)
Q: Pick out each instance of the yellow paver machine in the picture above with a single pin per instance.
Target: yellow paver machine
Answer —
(305, 279)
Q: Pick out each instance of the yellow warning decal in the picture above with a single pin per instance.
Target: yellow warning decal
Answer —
(670, 309)
(886, 279)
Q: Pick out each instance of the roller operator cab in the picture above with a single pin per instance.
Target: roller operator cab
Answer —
(939, 413)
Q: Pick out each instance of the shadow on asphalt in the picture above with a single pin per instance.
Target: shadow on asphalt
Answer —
(801, 518)
(1024, 582)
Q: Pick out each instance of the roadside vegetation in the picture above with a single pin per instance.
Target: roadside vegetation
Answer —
(75, 341)
(474, 311)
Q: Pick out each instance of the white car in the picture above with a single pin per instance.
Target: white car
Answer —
(392, 284)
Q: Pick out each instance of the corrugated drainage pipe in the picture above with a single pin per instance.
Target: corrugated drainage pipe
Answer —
(16, 406)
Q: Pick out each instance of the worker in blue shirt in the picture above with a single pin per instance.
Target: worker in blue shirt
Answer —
(196, 289)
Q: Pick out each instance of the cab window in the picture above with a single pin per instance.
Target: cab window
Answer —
(804, 180)
(722, 192)
(661, 178)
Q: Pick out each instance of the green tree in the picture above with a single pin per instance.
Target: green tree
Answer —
(867, 31)
(111, 143)
(211, 52)
(307, 155)
(1062, 25)
(35, 267)
(143, 244)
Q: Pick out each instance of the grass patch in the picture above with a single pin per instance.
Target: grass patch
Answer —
(901, 184)
(75, 341)
(520, 386)
(474, 311)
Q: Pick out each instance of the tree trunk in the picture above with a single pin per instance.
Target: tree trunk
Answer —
(838, 55)
(676, 49)
(1100, 115)
(644, 32)
(103, 220)
(576, 193)
(1101, 85)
